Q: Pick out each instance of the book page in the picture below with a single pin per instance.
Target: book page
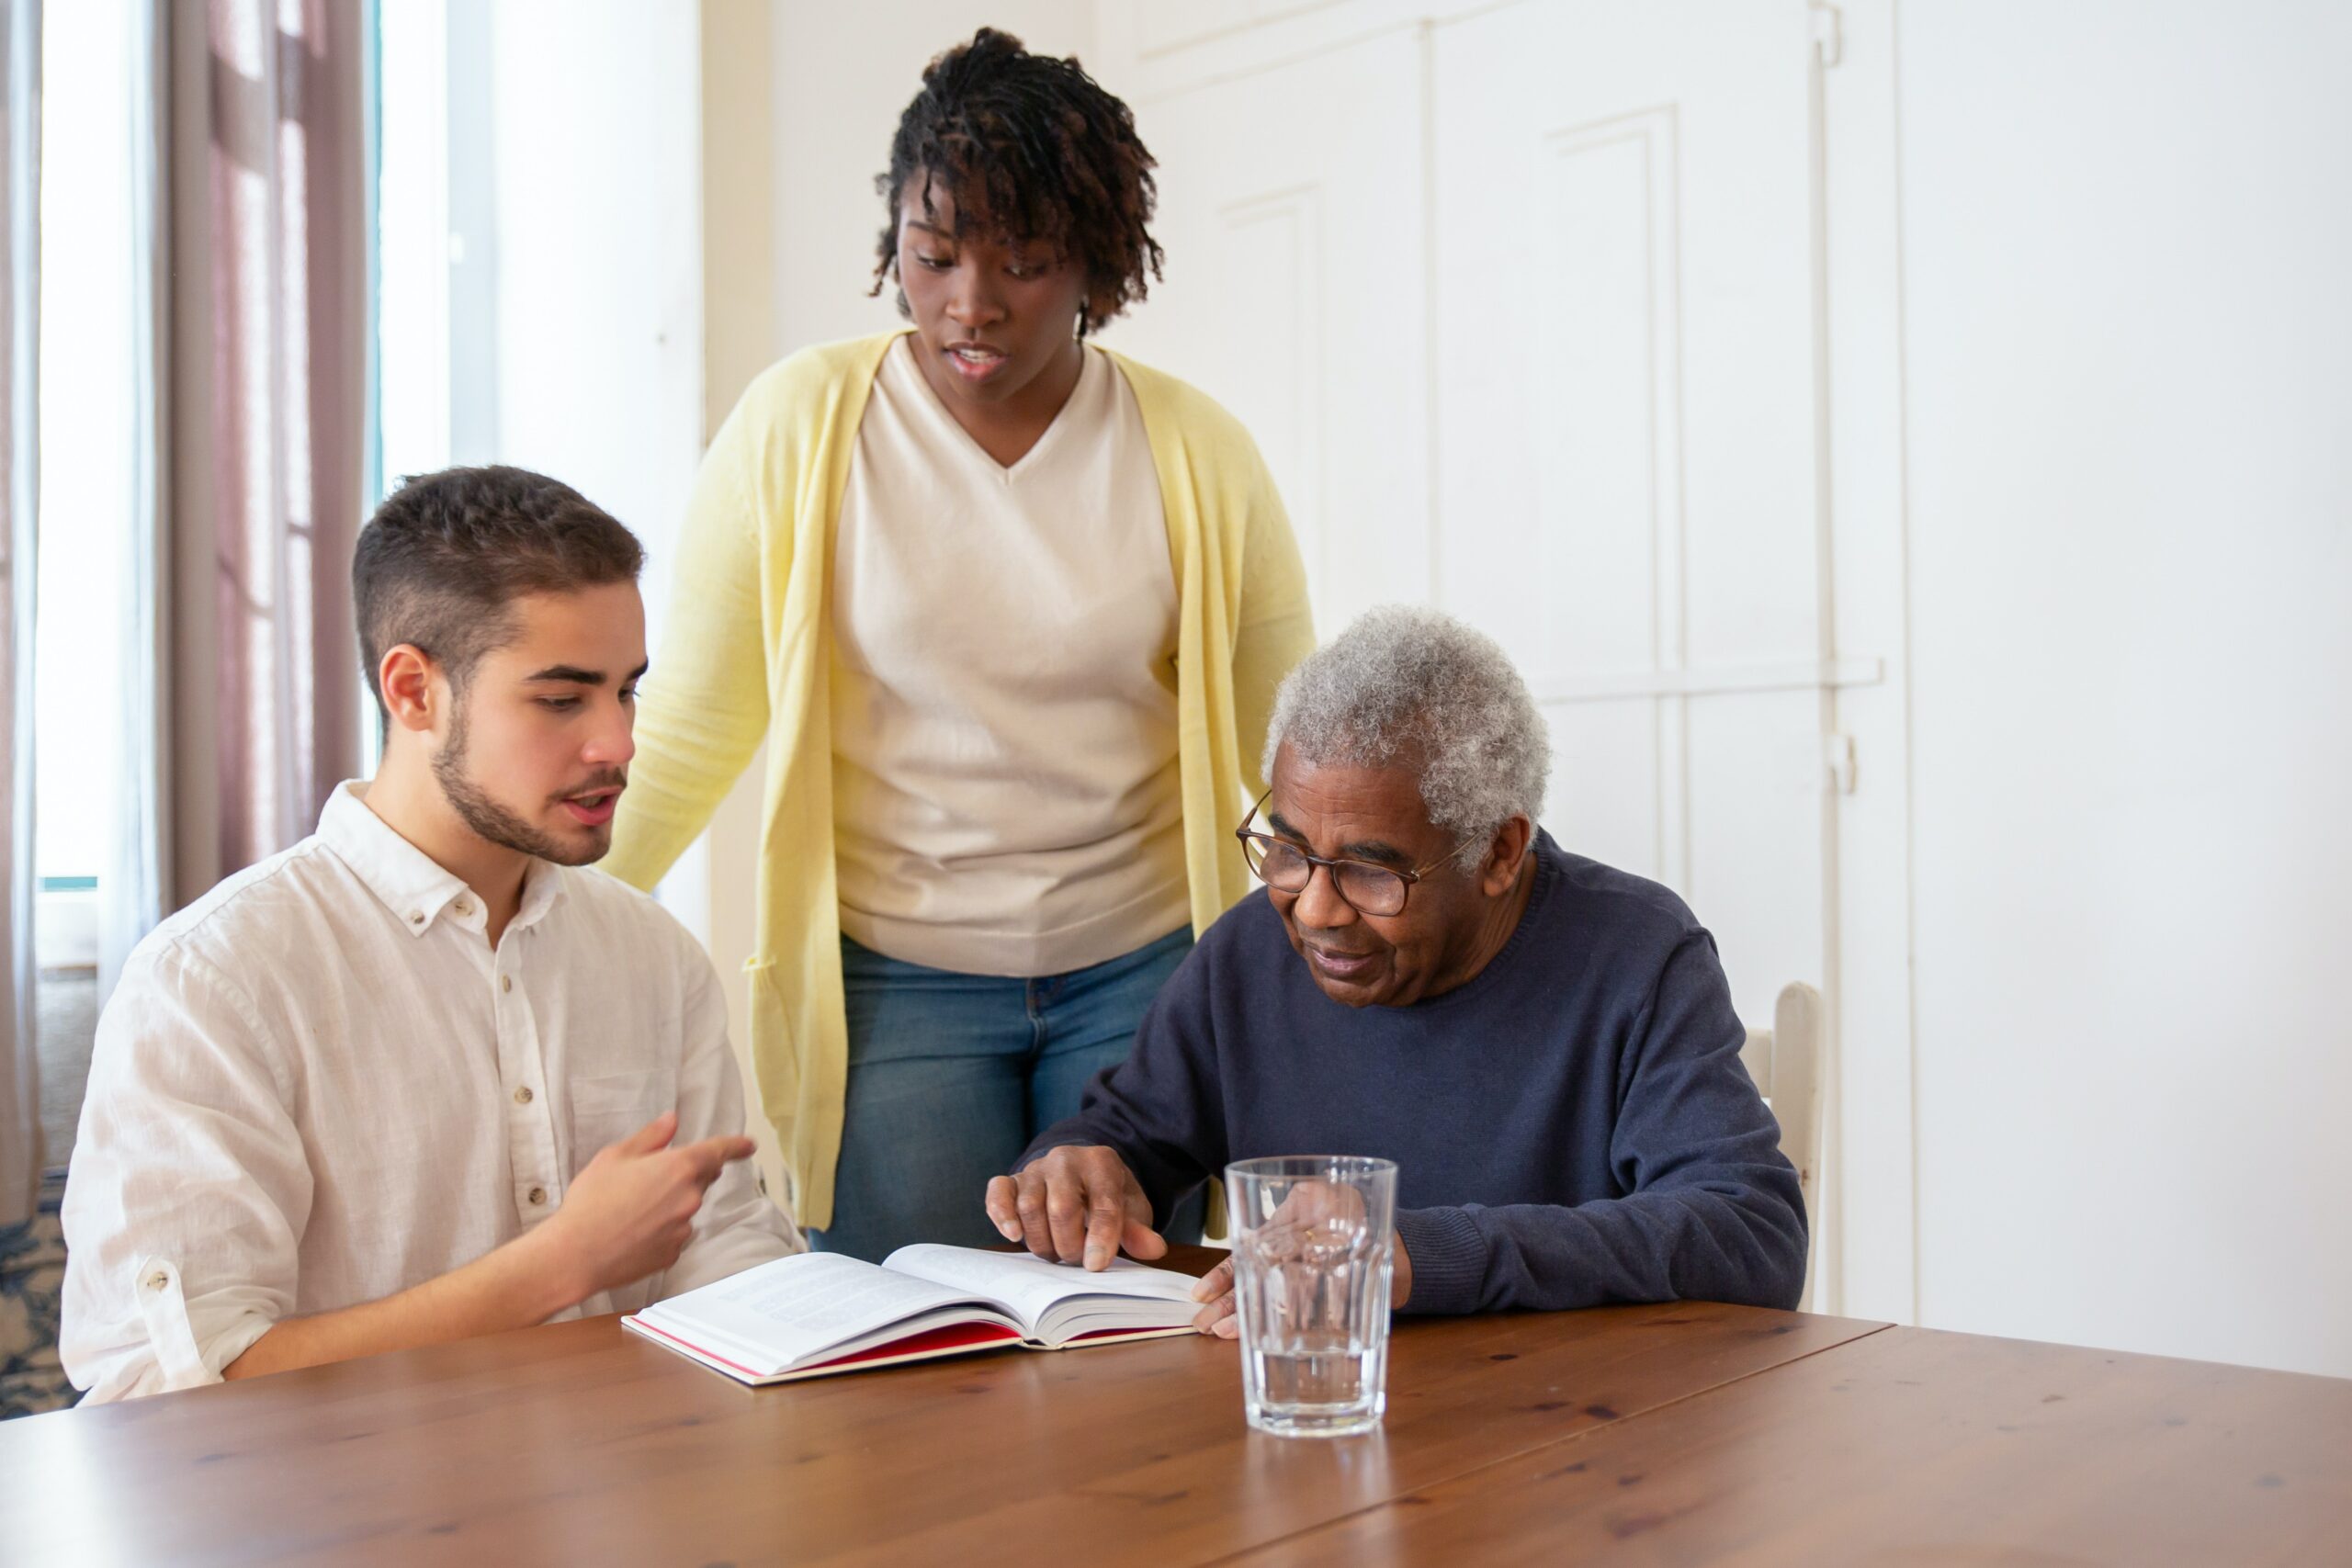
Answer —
(1027, 1285)
(793, 1308)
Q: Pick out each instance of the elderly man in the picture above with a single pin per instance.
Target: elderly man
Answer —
(1546, 1046)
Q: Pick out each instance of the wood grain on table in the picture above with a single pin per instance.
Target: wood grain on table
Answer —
(577, 1442)
(1912, 1447)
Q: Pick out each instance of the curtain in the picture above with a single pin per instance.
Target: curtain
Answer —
(242, 699)
(20, 1152)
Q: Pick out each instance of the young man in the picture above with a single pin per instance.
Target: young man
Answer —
(418, 1077)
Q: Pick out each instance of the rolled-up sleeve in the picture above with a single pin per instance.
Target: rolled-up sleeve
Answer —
(737, 1225)
(189, 1191)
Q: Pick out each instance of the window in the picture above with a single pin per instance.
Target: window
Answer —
(86, 386)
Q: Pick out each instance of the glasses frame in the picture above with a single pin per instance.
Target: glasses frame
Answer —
(1331, 865)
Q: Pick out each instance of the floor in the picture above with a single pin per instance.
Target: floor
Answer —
(68, 1007)
(32, 1279)
(32, 1257)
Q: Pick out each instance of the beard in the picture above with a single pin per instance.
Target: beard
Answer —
(488, 819)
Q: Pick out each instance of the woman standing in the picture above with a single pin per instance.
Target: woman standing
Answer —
(1009, 609)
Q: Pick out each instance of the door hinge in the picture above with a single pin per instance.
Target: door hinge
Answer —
(1828, 33)
(1838, 753)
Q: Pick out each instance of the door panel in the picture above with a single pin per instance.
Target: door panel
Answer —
(1625, 433)
(1291, 208)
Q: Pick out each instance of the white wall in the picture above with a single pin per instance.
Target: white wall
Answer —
(542, 299)
(599, 255)
(2126, 240)
(542, 303)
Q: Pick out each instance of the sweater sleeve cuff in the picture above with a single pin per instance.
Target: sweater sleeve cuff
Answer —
(1045, 1146)
(1449, 1256)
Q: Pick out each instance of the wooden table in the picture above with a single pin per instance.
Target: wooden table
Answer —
(1915, 1448)
(1680, 1433)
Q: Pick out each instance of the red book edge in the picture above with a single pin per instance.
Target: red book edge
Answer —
(949, 1339)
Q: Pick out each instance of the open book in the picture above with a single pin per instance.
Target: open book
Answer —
(819, 1312)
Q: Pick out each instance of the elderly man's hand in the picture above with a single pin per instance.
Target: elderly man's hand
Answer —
(1330, 1206)
(1076, 1203)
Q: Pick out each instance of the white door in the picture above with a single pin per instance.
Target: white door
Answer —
(1291, 209)
(1519, 303)
(1626, 435)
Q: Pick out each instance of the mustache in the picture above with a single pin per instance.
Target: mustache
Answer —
(611, 778)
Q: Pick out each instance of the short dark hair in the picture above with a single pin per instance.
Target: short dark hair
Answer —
(442, 561)
(1031, 146)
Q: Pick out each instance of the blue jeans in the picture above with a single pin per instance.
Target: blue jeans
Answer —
(950, 1076)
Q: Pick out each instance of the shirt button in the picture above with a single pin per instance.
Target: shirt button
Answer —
(506, 982)
(539, 1196)
(522, 1097)
(416, 917)
(464, 905)
(158, 1280)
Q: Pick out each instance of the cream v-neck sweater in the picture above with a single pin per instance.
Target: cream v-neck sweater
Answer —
(1006, 790)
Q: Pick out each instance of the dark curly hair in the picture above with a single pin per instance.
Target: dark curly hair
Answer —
(442, 561)
(1031, 146)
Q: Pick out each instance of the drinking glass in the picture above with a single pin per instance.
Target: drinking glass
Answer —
(1311, 1258)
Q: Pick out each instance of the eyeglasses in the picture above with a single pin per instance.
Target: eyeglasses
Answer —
(1367, 888)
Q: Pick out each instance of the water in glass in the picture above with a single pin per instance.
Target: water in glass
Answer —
(1311, 1251)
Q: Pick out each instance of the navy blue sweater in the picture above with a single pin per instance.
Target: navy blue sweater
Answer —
(1573, 1126)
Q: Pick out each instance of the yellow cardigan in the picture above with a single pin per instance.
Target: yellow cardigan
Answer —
(747, 650)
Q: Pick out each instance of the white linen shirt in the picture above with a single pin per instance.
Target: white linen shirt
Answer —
(320, 1085)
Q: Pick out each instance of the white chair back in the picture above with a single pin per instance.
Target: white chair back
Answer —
(1784, 1061)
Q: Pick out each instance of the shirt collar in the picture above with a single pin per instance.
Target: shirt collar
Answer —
(410, 884)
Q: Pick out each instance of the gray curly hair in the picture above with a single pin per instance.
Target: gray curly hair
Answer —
(1413, 684)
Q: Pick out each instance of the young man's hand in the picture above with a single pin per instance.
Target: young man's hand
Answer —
(1077, 1203)
(628, 1214)
(630, 1211)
